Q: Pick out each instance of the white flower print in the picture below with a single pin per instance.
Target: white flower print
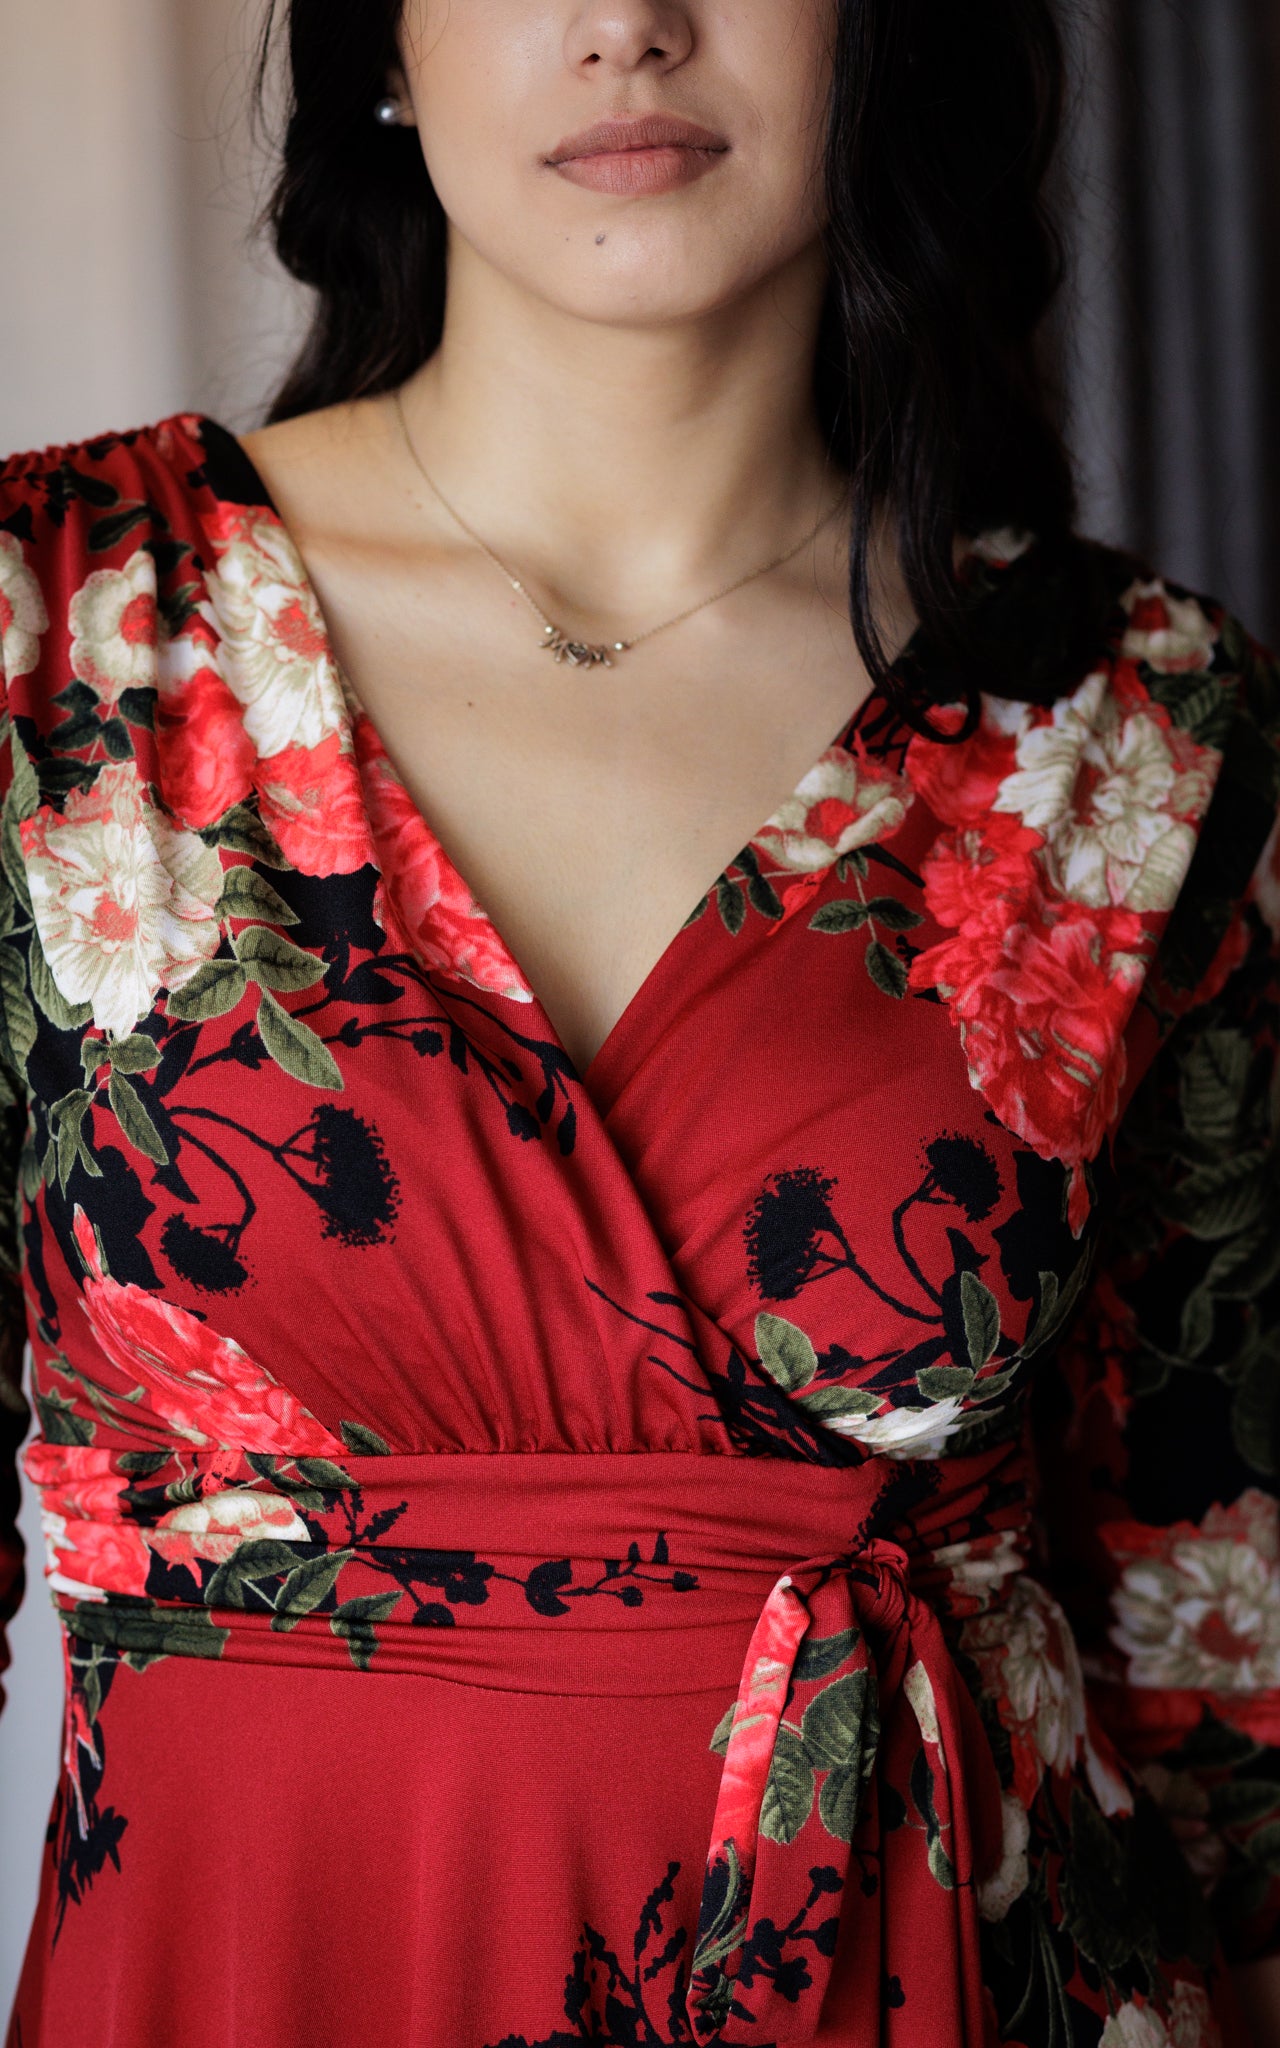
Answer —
(218, 1525)
(1170, 634)
(1203, 1608)
(918, 1687)
(1191, 2020)
(904, 1432)
(113, 629)
(1030, 1665)
(836, 808)
(1134, 2026)
(1113, 794)
(274, 652)
(1007, 1883)
(23, 617)
(979, 1568)
(1004, 544)
(124, 901)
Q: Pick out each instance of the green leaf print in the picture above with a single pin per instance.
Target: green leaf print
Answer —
(23, 796)
(981, 1313)
(212, 990)
(108, 532)
(732, 905)
(839, 1802)
(275, 962)
(788, 1792)
(67, 1119)
(356, 1622)
(786, 1354)
(841, 1726)
(11, 852)
(719, 1742)
(248, 894)
(1099, 1910)
(294, 1046)
(1055, 1306)
(20, 1025)
(886, 970)
(59, 1421)
(1212, 1084)
(236, 1583)
(365, 1442)
(305, 1587)
(134, 1118)
(242, 831)
(819, 1656)
(323, 1472)
(1255, 1408)
(829, 1403)
(844, 915)
(940, 1864)
(1224, 1198)
(147, 1632)
(137, 1054)
(764, 897)
(895, 916)
(945, 1382)
(64, 1015)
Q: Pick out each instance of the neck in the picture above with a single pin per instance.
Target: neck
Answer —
(641, 462)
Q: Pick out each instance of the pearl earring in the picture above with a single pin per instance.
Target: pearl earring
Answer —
(388, 112)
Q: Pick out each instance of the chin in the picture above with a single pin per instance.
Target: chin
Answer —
(643, 279)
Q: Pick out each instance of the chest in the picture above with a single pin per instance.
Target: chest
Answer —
(590, 812)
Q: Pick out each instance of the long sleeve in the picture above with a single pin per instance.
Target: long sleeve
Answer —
(1158, 1426)
(20, 606)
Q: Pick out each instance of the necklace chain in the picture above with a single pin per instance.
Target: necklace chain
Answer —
(585, 653)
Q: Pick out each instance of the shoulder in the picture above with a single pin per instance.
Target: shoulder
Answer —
(99, 541)
(90, 494)
(1132, 738)
(1107, 843)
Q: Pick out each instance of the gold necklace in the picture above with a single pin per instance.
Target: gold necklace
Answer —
(585, 653)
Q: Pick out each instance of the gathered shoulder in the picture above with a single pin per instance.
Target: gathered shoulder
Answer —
(1153, 778)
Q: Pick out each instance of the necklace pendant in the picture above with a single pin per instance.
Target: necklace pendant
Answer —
(579, 653)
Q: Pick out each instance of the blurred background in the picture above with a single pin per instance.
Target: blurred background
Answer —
(131, 286)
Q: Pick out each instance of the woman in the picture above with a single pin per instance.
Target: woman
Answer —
(564, 1425)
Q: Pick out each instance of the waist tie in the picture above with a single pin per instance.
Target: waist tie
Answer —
(853, 1739)
(855, 1763)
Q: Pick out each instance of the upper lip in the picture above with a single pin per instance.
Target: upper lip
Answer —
(644, 131)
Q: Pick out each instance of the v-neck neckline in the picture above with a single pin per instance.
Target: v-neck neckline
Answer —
(589, 1073)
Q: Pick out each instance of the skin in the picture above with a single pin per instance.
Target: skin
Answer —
(621, 405)
(628, 421)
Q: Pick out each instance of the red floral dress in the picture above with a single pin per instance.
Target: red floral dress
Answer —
(770, 1539)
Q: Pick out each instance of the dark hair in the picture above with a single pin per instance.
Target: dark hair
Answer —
(943, 261)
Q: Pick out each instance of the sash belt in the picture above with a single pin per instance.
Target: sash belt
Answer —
(855, 1761)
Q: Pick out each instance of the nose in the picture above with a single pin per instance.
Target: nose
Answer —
(629, 35)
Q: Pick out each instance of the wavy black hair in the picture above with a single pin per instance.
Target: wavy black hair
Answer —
(943, 258)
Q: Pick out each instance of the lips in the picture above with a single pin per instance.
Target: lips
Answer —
(643, 132)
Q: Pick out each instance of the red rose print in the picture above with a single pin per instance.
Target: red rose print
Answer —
(206, 756)
(422, 902)
(311, 799)
(202, 1385)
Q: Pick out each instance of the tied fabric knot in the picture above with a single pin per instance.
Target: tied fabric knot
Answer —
(855, 1763)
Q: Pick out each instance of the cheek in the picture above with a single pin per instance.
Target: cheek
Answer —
(484, 83)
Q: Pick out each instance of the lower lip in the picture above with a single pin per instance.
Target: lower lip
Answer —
(628, 171)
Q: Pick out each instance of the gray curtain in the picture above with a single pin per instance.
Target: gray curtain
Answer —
(1169, 331)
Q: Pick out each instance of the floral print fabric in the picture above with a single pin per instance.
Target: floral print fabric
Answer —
(806, 1500)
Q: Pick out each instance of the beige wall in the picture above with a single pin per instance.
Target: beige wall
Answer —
(126, 291)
